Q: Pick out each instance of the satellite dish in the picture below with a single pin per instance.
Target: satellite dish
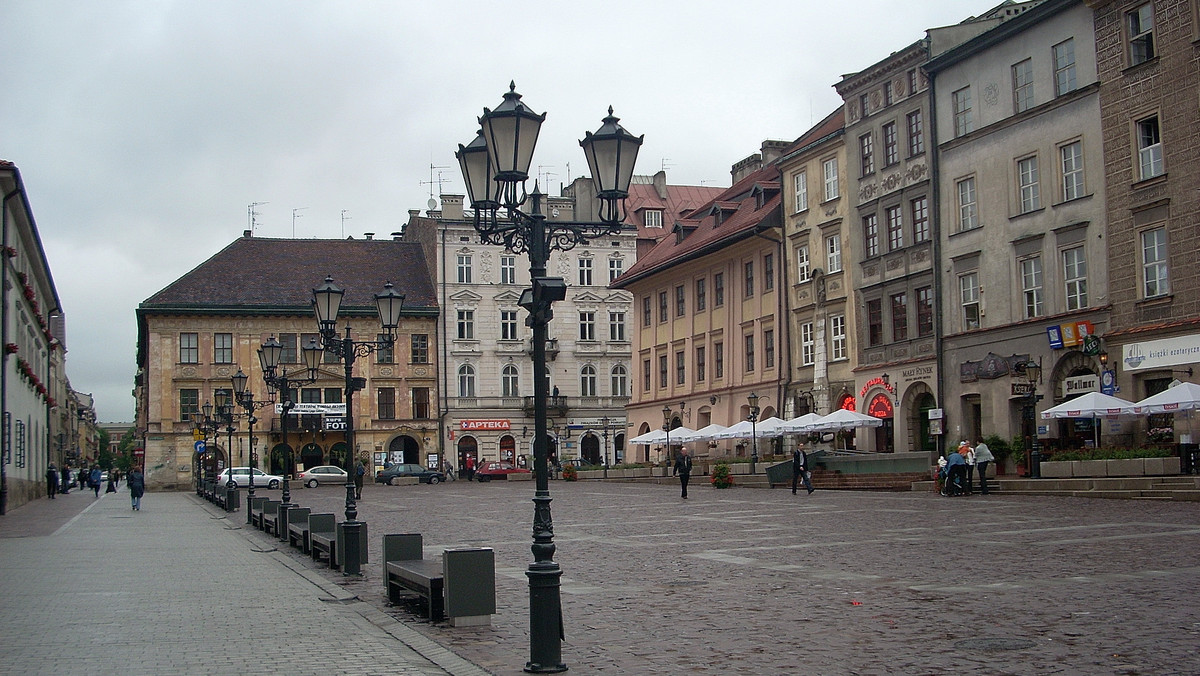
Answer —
(432, 203)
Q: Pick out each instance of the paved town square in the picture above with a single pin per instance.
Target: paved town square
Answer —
(729, 581)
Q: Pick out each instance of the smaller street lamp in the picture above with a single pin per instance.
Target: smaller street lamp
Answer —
(245, 399)
(1033, 372)
(605, 421)
(753, 418)
(278, 380)
(667, 429)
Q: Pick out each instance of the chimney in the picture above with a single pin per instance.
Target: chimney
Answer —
(247, 233)
(452, 207)
(369, 235)
(397, 236)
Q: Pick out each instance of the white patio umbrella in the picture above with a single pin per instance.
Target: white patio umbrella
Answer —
(1181, 397)
(707, 433)
(660, 436)
(844, 419)
(799, 425)
(741, 430)
(1092, 405)
(770, 427)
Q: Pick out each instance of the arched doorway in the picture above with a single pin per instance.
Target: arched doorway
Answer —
(589, 449)
(881, 407)
(644, 454)
(312, 456)
(918, 424)
(281, 460)
(618, 448)
(404, 449)
(337, 454)
(468, 447)
(508, 448)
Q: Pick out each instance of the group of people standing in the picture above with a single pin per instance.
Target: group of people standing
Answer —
(59, 481)
(961, 463)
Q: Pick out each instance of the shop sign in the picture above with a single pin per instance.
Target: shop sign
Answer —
(1071, 335)
(1076, 385)
(335, 423)
(1155, 354)
(1022, 389)
(310, 408)
(873, 383)
(484, 425)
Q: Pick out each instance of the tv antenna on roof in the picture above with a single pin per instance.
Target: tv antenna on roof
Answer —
(439, 181)
(294, 217)
(344, 219)
(252, 215)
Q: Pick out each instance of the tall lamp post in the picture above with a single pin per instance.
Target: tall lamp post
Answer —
(245, 399)
(667, 415)
(327, 301)
(605, 421)
(753, 399)
(284, 383)
(495, 166)
(205, 426)
(1033, 371)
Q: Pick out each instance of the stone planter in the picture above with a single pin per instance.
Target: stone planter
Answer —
(1056, 470)
(1109, 468)
(1089, 468)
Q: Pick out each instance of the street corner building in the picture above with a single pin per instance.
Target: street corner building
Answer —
(199, 331)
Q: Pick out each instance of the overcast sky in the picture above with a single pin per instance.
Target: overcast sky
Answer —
(144, 129)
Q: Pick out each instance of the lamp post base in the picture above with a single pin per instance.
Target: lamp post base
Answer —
(352, 547)
(545, 619)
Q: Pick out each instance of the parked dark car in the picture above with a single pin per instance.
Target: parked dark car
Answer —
(497, 470)
(424, 474)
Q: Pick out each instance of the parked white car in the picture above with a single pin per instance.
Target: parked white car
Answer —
(241, 476)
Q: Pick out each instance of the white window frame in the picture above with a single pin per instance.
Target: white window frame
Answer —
(652, 218)
(870, 225)
(1071, 161)
(963, 122)
(803, 265)
(833, 253)
(619, 381)
(808, 344)
(616, 326)
(1029, 184)
(1064, 67)
(1022, 82)
(830, 167)
(587, 381)
(866, 151)
(1139, 27)
(510, 381)
(1155, 270)
(466, 381)
(837, 337)
(969, 297)
(585, 271)
(1031, 286)
(587, 326)
(466, 325)
(894, 216)
(508, 325)
(1075, 277)
(891, 147)
(800, 186)
(968, 205)
(465, 269)
(1149, 147)
(508, 269)
(616, 267)
(915, 123)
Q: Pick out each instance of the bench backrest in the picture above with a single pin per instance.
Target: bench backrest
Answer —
(271, 507)
(402, 547)
(256, 505)
(298, 515)
(321, 523)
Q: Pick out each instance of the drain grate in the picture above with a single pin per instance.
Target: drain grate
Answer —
(994, 644)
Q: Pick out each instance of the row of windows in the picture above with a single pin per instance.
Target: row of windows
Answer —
(898, 304)
(189, 348)
(918, 218)
(830, 185)
(465, 325)
(700, 295)
(1029, 193)
(189, 403)
(508, 269)
(833, 258)
(510, 381)
(889, 93)
(915, 128)
(678, 366)
(1022, 81)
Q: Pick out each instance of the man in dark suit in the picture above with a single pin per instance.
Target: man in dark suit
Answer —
(683, 469)
(800, 469)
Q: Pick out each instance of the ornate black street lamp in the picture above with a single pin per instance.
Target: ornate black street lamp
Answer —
(1033, 372)
(667, 415)
(605, 422)
(327, 301)
(753, 399)
(279, 380)
(205, 426)
(495, 166)
(245, 399)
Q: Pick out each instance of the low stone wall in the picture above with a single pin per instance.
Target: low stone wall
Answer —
(1067, 469)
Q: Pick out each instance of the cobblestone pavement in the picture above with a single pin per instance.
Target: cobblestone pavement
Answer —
(90, 586)
(750, 581)
(759, 581)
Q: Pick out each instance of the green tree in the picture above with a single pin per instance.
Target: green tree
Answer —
(105, 455)
(125, 448)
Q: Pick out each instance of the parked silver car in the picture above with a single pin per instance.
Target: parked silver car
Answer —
(241, 476)
(323, 474)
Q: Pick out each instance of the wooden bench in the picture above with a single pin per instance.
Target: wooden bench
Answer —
(299, 534)
(461, 584)
(269, 521)
(267, 506)
(254, 510)
(405, 569)
(322, 543)
(287, 517)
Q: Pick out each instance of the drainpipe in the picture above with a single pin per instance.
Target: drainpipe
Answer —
(938, 324)
(443, 407)
(4, 426)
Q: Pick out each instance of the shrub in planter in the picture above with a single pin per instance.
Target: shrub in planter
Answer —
(569, 473)
(721, 478)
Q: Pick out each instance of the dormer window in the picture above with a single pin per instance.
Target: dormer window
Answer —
(652, 218)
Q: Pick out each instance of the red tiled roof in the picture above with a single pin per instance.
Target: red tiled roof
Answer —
(279, 274)
(681, 200)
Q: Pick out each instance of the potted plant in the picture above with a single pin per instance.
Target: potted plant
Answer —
(569, 473)
(721, 478)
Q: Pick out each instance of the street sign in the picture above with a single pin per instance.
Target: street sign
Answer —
(200, 446)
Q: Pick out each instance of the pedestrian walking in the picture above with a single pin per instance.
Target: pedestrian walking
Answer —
(94, 479)
(82, 476)
(983, 458)
(51, 481)
(683, 469)
(112, 481)
(64, 486)
(800, 469)
(137, 487)
(359, 472)
(968, 455)
(469, 468)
